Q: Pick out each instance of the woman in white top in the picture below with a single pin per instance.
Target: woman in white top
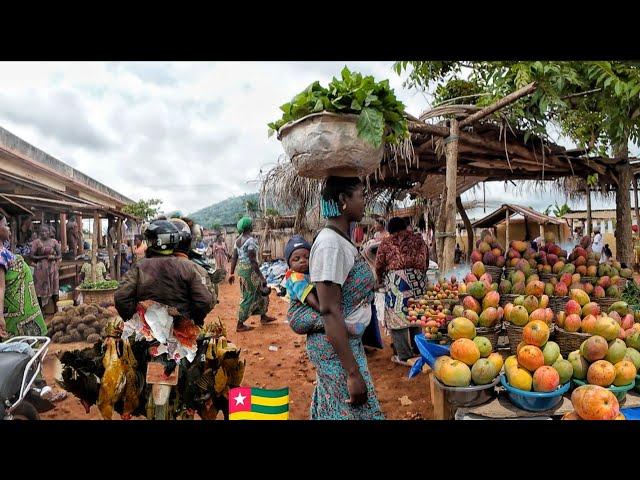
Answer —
(345, 287)
(597, 240)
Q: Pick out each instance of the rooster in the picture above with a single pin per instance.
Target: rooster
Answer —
(79, 372)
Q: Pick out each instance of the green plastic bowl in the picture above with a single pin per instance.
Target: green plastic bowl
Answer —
(619, 392)
(638, 383)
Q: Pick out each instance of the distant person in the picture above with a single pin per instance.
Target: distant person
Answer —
(139, 248)
(381, 231)
(457, 256)
(220, 253)
(606, 255)
(597, 240)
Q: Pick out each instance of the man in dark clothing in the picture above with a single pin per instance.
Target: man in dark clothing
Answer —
(164, 278)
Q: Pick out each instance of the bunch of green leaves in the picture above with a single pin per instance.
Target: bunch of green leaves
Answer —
(380, 114)
(102, 285)
(631, 294)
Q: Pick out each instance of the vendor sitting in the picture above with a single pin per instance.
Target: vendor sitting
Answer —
(303, 315)
(101, 272)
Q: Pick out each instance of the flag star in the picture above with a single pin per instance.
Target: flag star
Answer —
(239, 399)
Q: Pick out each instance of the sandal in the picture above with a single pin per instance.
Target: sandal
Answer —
(243, 328)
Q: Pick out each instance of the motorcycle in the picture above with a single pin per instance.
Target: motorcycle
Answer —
(21, 397)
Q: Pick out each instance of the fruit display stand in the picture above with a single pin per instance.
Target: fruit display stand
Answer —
(501, 408)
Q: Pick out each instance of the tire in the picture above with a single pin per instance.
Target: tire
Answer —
(25, 411)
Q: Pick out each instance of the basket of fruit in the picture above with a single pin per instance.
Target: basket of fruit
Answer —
(491, 333)
(546, 277)
(420, 313)
(469, 374)
(606, 302)
(514, 332)
(619, 392)
(534, 401)
(495, 272)
(507, 298)
(442, 291)
(569, 341)
(557, 303)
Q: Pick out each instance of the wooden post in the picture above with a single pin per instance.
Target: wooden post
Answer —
(635, 191)
(542, 233)
(118, 252)
(589, 221)
(467, 226)
(451, 151)
(506, 231)
(63, 233)
(112, 260)
(81, 241)
(442, 410)
(14, 233)
(94, 245)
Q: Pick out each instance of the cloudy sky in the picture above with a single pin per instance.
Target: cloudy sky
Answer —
(191, 134)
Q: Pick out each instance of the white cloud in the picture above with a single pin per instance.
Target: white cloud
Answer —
(190, 133)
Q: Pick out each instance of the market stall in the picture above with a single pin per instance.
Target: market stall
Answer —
(36, 189)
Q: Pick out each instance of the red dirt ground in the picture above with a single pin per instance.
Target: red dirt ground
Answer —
(288, 366)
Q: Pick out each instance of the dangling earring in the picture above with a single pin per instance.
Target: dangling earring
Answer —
(344, 206)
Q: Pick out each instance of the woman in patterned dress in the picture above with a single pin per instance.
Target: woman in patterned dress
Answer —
(253, 286)
(21, 314)
(401, 264)
(345, 287)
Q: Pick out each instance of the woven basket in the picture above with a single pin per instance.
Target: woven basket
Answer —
(546, 277)
(507, 298)
(98, 296)
(508, 271)
(569, 341)
(492, 333)
(557, 304)
(591, 280)
(515, 336)
(495, 272)
(606, 302)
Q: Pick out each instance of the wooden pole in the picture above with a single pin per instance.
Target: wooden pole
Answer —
(451, 151)
(14, 233)
(589, 226)
(63, 233)
(467, 226)
(118, 249)
(94, 245)
(506, 232)
(503, 102)
(542, 232)
(635, 191)
(112, 260)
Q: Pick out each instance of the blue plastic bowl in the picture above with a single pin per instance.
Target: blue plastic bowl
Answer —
(619, 392)
(534, 401)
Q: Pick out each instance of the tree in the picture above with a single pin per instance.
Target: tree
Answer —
(143, 209)
(596, 104)
(251, 207)
(216, 226)
(271, 212)
(561, 211)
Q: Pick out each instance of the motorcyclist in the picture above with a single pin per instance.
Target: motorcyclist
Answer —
(183, 250)
(165, 278)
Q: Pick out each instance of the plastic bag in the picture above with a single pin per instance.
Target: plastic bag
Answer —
(429, 351)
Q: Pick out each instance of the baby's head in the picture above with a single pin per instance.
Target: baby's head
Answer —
(297, 253)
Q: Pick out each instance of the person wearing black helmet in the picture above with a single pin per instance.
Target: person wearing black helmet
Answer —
(183, 251)
(164, 278)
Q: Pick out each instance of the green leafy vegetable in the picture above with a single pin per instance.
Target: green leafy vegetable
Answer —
(103, 285)
(374, 102)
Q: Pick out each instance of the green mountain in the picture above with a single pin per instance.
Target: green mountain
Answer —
(225, 212)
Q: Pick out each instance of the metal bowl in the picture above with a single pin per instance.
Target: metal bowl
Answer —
(469, 396)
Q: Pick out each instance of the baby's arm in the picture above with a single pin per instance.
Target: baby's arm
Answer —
(312, 301)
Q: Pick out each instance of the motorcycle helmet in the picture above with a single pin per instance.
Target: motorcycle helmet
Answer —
(162, 237)
(184, 245)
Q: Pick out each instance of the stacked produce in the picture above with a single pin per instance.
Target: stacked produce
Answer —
(525, 309)
(605, 361)
(588, 318)
(591, 402)
(489, 252)
(538, 365)
(471, 358)
(477, 274)
(441, 290)
(81, 323)
(101, 285)
(482, 304)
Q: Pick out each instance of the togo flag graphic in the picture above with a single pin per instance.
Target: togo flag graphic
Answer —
(258, 404)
